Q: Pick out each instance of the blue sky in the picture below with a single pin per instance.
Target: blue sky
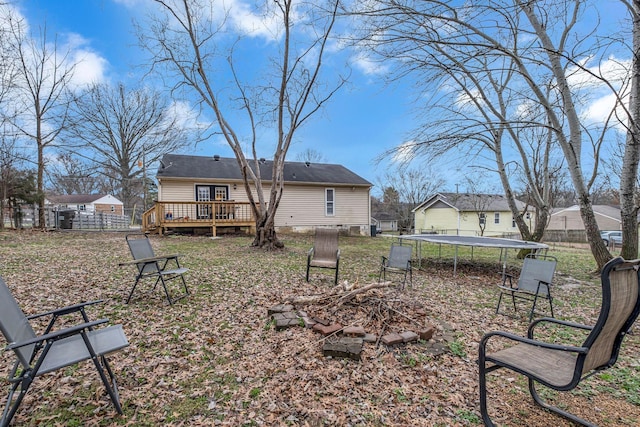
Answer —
(361, 121)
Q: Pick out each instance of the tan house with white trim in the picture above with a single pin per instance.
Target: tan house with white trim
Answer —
(467, 214)
(199, 188)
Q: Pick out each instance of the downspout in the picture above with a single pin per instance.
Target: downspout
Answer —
(369, 211)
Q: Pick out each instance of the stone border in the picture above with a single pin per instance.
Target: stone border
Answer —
(348, 342)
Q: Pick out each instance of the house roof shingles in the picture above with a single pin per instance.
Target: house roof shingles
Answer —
(75, 198)
(201, 167)
(471, 202)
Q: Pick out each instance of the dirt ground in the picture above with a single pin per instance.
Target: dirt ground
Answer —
(214, 358)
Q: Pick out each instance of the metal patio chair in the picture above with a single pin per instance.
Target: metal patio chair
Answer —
(534, 283)
(325, 252)
(562, 366)
(54, 348)
(398, 262)
(163, 268)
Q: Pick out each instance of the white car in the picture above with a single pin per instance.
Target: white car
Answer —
(611, 236)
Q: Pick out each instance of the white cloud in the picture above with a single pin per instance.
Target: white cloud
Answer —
(468, 99)
(90, 68)
(186, 116)
(368, 65)
(404, 153)
(89, 65)
(588, 76)
(255, 22)
(612, 69)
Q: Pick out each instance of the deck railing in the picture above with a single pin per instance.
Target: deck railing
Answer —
(165, 215)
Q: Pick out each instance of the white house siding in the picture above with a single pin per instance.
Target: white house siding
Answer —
(302, 207)
(176, 191)
(103, 204)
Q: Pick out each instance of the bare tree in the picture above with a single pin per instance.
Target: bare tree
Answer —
(532, 50)
(481, 108)
(405, 188)
(41, 97)
(188, 43)
(311, 155)
(480, 196)
(68, 174)
(9, 156)
(9, 170)
(630, 203)
(122, 131)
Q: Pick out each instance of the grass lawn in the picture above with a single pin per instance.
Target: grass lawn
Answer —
(215, 358)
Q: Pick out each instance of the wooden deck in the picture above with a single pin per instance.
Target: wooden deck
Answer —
(164, 216)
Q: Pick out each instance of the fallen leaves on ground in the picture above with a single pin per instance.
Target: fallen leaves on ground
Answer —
(214, 358)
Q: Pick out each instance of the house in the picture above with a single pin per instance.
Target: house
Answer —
(86, 203)
(565, 219)
(199, 191)
(384, 221)
(467, 214)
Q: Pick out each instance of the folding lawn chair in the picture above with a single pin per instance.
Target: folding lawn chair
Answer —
(55, 348)
(398, 262)
(325, 252)
(534, 282)
(151, 266)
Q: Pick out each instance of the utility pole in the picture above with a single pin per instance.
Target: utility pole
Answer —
(143, 164)
(144, 180)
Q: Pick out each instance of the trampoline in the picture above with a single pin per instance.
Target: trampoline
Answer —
(472, 241)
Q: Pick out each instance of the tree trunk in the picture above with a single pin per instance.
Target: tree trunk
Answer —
(570, 143)
(598, 248)
(40, 185)
(628, 203)
(266, 236)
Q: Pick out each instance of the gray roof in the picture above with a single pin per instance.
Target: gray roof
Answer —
(612, 212)
(75, 198)
(226, 168)
(384, 216)
(471, 202)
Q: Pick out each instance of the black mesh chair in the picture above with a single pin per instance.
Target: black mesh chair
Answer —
(55, 348)
(398, 262)
(161, 268)
(534, 283)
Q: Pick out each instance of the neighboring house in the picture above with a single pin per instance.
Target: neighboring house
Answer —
(467, 214)
(315, 195)
(566, 219)
(86, 203)
(384, 222)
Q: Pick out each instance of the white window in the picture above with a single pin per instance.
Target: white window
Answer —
(82, 207)
(113, 208)
(513, 223)
(330, 201)
(221, 193)
(483, 218)
(496, 218)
